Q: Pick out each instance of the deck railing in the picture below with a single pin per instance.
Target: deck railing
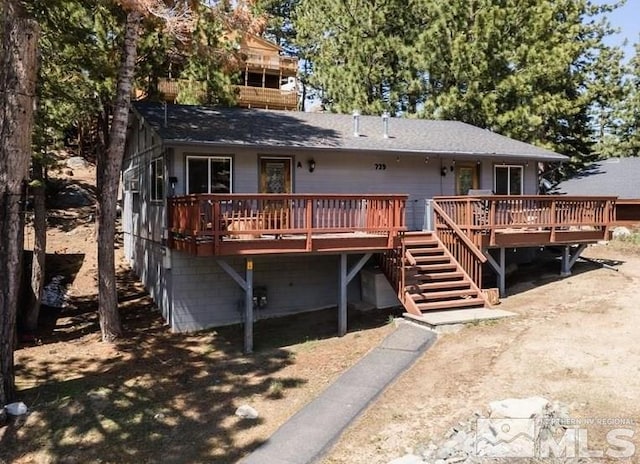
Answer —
(487, 215)
(216, 218)
(459, 243)
(275, 62)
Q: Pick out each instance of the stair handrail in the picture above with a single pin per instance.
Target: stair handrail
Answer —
(463, 236)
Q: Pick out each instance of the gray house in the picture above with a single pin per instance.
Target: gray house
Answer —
(614, 176)
(232, 215)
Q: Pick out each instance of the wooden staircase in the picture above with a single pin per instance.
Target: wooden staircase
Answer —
(433, 279)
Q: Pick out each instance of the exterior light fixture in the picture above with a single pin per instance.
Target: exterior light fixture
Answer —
(312, 165)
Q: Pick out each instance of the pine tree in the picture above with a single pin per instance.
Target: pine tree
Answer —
(629, 131)
(361, 53)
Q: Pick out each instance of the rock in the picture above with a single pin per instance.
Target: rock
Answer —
(73, 196)
(513, 408)
(246, 412)
(408, 459)
(76, 162)
(620, 232)
(16, 409)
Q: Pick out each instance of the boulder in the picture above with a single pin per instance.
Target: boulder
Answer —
(246, 412)
(620, 232)
(408, 459)
(524, 408)
(76, 162)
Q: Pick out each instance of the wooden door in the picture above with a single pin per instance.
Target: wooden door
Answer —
(466, 178)
(275, 175)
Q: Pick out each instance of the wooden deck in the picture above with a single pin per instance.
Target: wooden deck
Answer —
(527, 220)
(255, 224)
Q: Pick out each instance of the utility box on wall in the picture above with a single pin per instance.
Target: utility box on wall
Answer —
(376, 289)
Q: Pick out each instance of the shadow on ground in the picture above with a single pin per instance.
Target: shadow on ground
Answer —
(545, 269)
(154, 396)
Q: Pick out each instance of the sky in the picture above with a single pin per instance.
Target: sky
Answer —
(627, 19)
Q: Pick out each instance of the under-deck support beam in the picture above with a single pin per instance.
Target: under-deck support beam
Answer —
(245, 284)
(568, 259)
(347, 276)
(499, 268)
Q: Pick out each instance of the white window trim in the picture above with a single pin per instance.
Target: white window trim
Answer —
(209, 158)
(153, 194)
(510, 166)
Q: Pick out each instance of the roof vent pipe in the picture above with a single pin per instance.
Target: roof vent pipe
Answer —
(356, 123)
(385, 124)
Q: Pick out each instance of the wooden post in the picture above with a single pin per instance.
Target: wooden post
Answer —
(345, 278)
(248, 308)
(309, 223)
(342, 302)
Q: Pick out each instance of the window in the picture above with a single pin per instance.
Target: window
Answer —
(209, 174)
(508, 180)
(157, 179)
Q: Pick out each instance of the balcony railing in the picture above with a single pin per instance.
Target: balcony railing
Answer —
(499, 220)
(260, 97)
(281, 223)
(288, 65)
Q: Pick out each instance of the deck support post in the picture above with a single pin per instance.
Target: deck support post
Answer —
(245, 284)
(568, 259)
(347, 276)
(499, 268)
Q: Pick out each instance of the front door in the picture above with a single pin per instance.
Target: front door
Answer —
(275, 175)
(466, 178)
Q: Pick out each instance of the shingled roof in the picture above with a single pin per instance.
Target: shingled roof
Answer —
(227, 127)
(610, 177)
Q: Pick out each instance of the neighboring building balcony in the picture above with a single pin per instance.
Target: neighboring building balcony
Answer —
(288, 66)
(252, 224)
(260, 97)
(247, 97)
(525, 220)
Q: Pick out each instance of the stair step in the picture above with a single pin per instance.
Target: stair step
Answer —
(443, 294)
(429, 258)
(441, 285)
(451, 304)
(420, 242)
(436, 267)
(441, 276)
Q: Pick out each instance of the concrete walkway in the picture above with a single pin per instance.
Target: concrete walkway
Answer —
(311, 432)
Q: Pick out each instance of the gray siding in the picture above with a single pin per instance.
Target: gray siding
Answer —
(338, 172)
(143, 220)
(205, 296)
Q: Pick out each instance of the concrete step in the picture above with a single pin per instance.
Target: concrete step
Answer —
(434, 319)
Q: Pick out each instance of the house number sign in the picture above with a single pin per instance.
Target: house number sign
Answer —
(380, 166)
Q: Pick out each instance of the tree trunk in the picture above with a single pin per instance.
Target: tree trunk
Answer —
(18, 61)
(109, 165)
(32, 312)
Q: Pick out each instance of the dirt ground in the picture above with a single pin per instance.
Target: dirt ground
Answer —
(162, 397)
(575, 340)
